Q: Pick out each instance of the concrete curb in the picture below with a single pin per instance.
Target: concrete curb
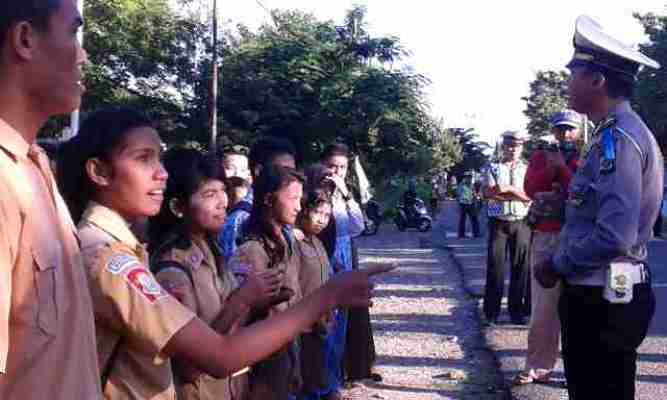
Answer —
(507, 343)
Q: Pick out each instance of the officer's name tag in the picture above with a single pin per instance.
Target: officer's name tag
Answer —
(621, 279)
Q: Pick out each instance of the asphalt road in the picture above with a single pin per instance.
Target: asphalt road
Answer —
(652, 366)
(658, 264)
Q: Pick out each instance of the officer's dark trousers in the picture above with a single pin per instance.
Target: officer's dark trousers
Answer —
(468, 211)
(515, 237)
(600, 341)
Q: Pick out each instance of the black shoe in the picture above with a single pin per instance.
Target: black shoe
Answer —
(376, 377)
(490, 322)
(519, 320)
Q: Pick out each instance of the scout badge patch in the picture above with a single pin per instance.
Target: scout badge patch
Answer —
(119, 262)
(143, 282)
(620, 282)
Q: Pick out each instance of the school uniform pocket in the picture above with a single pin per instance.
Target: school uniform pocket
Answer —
(45, 286)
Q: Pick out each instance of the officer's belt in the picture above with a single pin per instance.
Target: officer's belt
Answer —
(640, 275)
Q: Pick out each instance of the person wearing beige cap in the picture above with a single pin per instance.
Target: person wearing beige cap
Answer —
(550, 169)
(607, 302)
(502, 185)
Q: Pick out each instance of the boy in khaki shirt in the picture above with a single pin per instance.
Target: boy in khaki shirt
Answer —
(47, 336)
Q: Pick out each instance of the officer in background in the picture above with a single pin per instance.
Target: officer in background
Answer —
(607, 302)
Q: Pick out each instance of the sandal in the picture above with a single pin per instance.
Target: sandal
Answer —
(545, 378)
(523, 378)
(526, 378)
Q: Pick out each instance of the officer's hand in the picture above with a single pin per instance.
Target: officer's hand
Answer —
(545, 274)
(261, 288)
(354, 288)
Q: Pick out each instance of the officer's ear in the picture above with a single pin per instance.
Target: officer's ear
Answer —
(598, 80)
(98, 171)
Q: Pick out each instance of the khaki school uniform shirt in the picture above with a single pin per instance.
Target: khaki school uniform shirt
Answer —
(135, 316)
(253, 253)
(47, 332)
(315, 268)
(205, 292)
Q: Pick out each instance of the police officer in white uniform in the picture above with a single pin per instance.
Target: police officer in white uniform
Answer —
(613, 201)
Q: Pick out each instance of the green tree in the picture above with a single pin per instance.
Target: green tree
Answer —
(548, 95)
(473, 151)
(315, 82)
(651, 93)
(145, 54)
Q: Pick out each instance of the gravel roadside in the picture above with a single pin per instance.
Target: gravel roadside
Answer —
(426, 327)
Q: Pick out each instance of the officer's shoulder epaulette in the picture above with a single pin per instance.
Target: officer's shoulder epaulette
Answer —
(607, 150)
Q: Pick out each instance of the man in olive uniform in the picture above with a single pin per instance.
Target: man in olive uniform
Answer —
(607, 302)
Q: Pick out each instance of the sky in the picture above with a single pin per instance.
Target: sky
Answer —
(479, 55)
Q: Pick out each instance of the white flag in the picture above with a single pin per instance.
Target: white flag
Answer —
(364, 185)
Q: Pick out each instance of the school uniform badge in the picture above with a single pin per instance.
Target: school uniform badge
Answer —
(143, 282)
(120, 262)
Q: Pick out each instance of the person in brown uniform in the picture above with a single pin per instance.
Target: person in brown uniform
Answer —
(47, 332)
(314, 272)
(188, 264)
(270, 244)
(111, 175)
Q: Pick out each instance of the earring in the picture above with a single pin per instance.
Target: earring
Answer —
(179, 215)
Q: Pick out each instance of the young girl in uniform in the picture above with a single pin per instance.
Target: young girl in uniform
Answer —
(188, 263)
(111, 176)
(270, 245)
(314, 272)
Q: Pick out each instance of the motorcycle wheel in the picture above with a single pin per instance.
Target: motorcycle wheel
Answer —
(374, 231)
(369, 229)
(424, 225)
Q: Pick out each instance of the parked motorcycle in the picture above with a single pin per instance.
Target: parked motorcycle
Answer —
(416, 216)
(372, 218)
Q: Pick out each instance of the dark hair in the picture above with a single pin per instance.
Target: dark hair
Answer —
(188, 169)
(269, 181)
(336, 149)
(315, 175)
(37, 12)
(100, 135)
(233, 149)
(267, 148)
(312, 200)
(315, 184)
(234, 182)
(50, 146)
(618, 85)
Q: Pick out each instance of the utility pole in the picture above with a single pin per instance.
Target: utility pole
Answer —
(76, 115)
(213, 118)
